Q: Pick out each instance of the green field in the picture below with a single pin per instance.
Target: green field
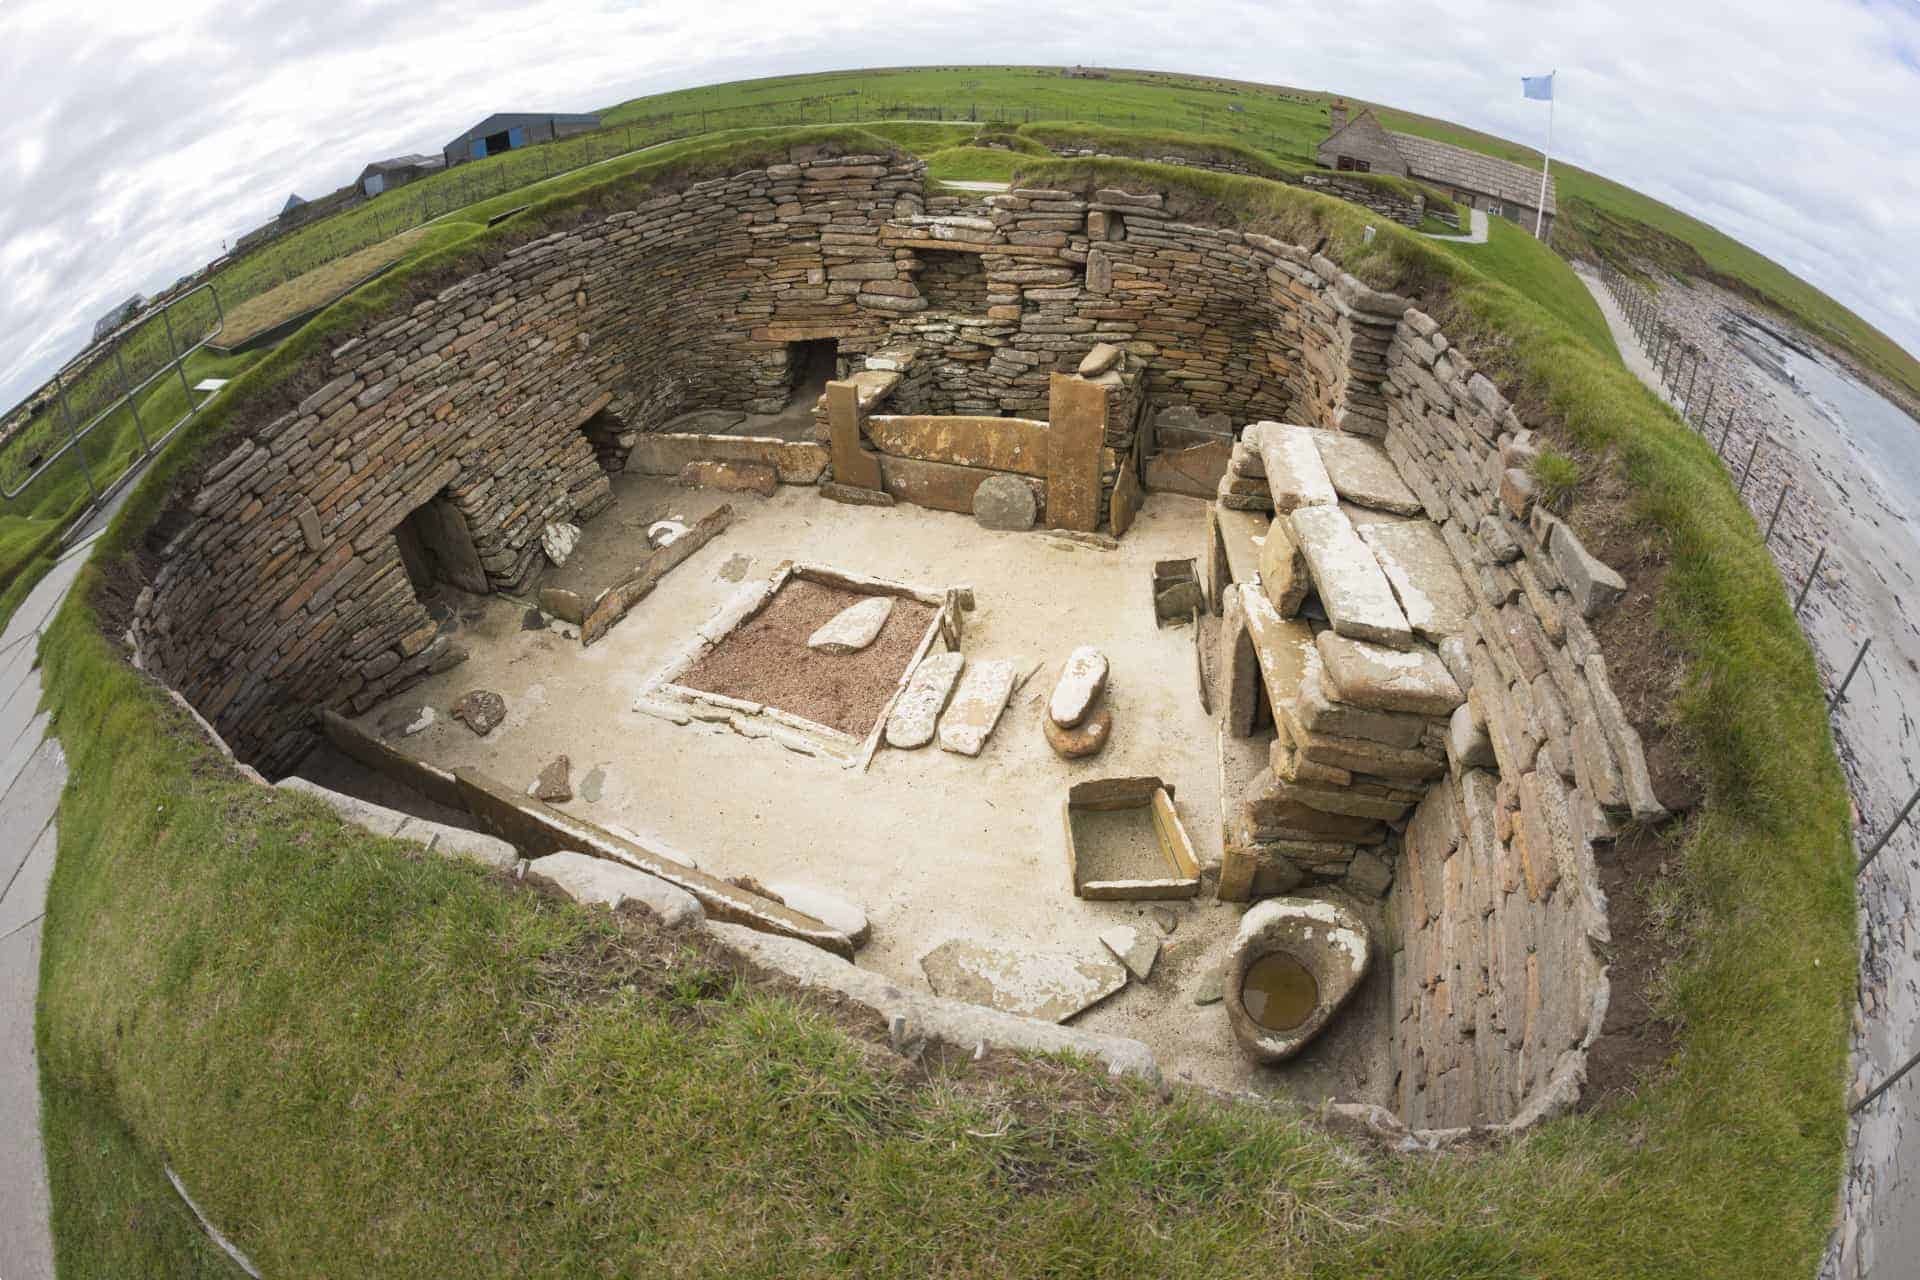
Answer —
(367, 1062)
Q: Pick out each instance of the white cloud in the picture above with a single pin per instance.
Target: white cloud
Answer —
(151, 132)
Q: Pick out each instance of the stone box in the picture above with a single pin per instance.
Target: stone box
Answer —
(1125, 841)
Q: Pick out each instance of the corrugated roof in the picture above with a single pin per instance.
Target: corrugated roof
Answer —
(500, 121)
(1442, 163)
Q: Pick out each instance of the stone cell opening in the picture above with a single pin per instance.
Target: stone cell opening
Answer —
(1030, 402)
(437, 550)
(952, 281)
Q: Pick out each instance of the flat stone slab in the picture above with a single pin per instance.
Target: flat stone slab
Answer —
(1097, 361)
(1382, 679)
(977, 705)
(854, 627)
(1362, 473)
(1425, 578)
(558, 541)
(1049, 985)
(917, 711)
(1353, 589)
(1134, 946)
(1283, 570)
(829, 908)
(1083, 678)
(593, 881)
(1296, 475)
(481, 710)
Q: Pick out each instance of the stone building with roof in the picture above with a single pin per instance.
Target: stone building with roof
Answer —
(1362, 144)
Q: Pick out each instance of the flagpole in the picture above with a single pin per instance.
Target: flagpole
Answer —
(1546, 159)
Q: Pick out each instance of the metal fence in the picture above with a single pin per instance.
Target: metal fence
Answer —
(107, 391)
(1677, 363)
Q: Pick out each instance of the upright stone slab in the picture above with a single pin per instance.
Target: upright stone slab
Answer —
(977, 705)
(1368, 675)
(852, 465)
(1353, 590)
(1076, 428)
(1362, 473)
(1283, 570)
(1296, 477)
(919, 706)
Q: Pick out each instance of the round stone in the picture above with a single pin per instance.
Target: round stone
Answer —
(1088, 738)
(1005, 502)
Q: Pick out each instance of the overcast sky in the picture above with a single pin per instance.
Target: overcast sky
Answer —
(138, 136)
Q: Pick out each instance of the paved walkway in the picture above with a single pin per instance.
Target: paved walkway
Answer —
(1476, 229)
(33, 770)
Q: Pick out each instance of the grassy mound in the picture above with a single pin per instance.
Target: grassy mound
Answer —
(367, 1063)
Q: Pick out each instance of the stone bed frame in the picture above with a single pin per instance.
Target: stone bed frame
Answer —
(278, 596)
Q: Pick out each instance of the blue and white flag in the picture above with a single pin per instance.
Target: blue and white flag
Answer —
(1540, 87)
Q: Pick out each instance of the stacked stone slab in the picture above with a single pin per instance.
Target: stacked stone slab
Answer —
(1407, 210)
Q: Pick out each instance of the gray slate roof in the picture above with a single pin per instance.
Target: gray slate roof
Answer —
(1444, 164)
(501, 121)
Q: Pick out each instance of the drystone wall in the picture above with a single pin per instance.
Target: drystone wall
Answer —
(281, 590)
(1498, 984)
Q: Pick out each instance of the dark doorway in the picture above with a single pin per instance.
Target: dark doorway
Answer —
(498, 142)
(437, 549)
(810, 366)
(611, 438)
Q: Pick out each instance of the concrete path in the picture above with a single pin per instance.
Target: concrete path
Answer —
(33, 770)
(1476, 229)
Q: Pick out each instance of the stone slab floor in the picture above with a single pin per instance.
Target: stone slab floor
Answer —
(932, 845)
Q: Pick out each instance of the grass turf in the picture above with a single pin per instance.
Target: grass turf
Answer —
(364, 1062)
(314, 289)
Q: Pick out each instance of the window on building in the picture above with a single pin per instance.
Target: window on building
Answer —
(1344, 164)
(1363, 166)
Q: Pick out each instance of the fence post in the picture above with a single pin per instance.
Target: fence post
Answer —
(133, 406)
(1726, 435)
(1708, 407)
(1807, 586)
(179, 361)
(79, 449)
(1778, 503)
(1746, 471)
(1887, 835)
(1840, 694)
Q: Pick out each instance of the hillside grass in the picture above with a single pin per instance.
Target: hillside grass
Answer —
(368, 1062)
(314, 289)
(1512, 256)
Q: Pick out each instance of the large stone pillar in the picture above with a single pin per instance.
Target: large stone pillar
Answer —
(1076, 428)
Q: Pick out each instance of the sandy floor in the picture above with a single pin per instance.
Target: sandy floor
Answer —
(933, 845)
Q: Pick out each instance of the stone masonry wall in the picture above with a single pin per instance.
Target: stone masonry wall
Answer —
(282, 591)
(1498, 984)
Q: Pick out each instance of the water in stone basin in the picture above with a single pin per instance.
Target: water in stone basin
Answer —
(1278, 992)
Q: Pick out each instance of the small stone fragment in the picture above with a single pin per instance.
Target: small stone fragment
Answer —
(1369, 873)
(662, 532)
(481, 710)
(1165, 918)
(1097, 361)
(854, 627)
(1134, 947)
(918, 709)
(558, 540)
(1088, 738)
(423, 720)
(564, 605)
(1083, 677)
(591, 785)
(1210, 989)
(555, 782)
(977, 705)
(1005, 502)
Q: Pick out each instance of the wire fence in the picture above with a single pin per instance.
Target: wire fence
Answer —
(116, 409)
(1678, 364)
